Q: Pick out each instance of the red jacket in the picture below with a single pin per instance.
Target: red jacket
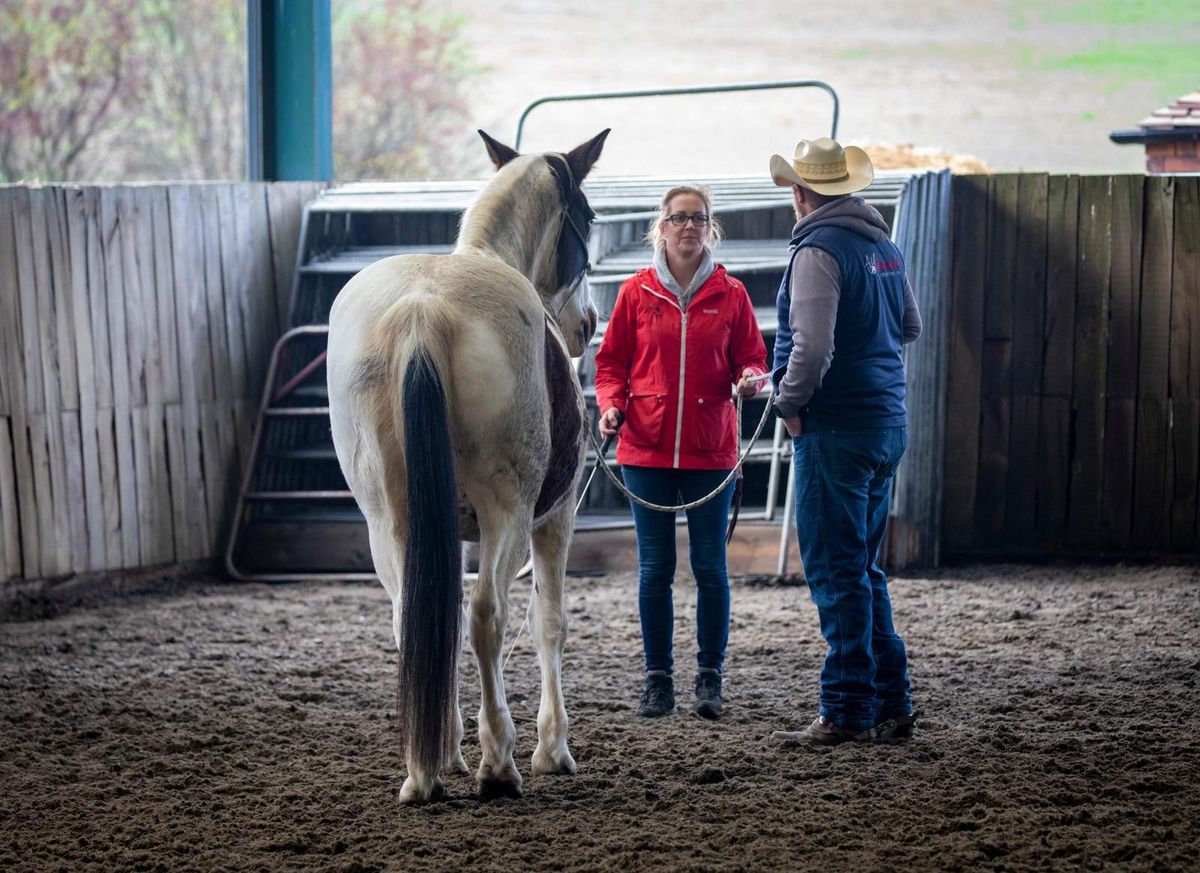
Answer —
(671, 373)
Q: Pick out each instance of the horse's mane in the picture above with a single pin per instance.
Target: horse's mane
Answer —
(513, 210)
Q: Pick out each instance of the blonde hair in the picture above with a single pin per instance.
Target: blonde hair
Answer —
(715, 232)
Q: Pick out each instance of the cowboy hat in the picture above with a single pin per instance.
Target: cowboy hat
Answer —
(823, 166)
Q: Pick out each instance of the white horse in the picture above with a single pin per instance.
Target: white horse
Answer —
(456, 415)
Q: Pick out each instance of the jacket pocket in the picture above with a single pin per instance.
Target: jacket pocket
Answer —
(644, 419)
(714, 429)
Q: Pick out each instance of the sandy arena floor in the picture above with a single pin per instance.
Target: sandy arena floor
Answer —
(234, 728)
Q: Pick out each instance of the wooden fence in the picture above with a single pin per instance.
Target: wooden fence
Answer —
(135, 327)
(1073, 405)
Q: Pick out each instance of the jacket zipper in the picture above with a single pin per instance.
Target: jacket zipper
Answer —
(682, 359)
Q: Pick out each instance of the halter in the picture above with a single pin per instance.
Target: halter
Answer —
(571, 203)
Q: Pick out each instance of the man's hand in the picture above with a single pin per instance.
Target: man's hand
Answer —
(750, 383)
(610, 421)
(794, 426)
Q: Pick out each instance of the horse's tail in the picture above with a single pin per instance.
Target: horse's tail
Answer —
(431, 588)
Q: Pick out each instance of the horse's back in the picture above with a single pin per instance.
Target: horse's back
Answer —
(482, 325)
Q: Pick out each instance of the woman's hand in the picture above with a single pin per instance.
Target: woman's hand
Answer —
(610, 421)
(745, 387)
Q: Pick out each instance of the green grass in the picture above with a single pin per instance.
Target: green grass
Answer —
(1174, 68)
(1117, 13)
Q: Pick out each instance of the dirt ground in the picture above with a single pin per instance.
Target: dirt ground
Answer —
(221, 727)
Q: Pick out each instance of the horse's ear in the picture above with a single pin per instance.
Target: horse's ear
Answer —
(583, 157)
(498, 151)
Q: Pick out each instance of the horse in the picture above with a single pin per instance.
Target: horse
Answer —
(456, 414)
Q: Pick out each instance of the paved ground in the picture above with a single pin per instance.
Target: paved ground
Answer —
(1021, 85)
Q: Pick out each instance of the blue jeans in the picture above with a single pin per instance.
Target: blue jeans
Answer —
(656, 561)
(843, 482)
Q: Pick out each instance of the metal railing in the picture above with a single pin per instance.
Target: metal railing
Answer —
(670, 92)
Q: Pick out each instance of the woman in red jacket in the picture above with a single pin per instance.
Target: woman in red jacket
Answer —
(681, 334)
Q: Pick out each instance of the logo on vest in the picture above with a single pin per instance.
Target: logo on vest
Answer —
(876, 267)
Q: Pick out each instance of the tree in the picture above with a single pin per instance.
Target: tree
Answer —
(64, 72)
(150, 89)
(399, 72)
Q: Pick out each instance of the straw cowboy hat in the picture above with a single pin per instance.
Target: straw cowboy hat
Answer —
(823, 166)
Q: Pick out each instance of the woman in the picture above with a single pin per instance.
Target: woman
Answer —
(682, 333)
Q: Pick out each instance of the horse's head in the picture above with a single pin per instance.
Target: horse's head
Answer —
(560, 274)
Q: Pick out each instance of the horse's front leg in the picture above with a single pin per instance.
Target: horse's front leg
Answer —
(502, 549)
(549, 627)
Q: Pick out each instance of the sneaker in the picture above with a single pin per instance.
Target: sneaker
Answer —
(708, 695)
(897, 727)
(823, 732)
(658, 697)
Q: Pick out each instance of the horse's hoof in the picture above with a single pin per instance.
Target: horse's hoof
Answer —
(457, 763)
(553, 764)
(505, 782)
(413, 792)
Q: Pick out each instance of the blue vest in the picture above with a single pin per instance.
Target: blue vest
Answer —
(863, 389)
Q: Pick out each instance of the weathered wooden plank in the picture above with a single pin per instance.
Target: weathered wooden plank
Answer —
(214, 466)
(113, 234)
(991, 504)
(235, 277)
(177, 467)
(1121, 381)
(164, 292)
(1151, 497)
(192, 542)
(134, 299)
(1029, 299)
(1054, 465)
(162, 535)
(263, 317)
(991, 498)
(56, 548)
(1117, 507)
(1091, 360)
(10, 523)
(1125, 285)
(31, 346)
(39, 454)
(83, 286)
(1029, 292)
(1003, 221)
(1062, 245)
(1183, 467)
(1021, 491)
(167, 433)
(1185, 292)
(154, 496)
(110, 486)
(214, 288)
(13, 362)
(963, 392)
(76, 490)
(140, 429)
(62, 267)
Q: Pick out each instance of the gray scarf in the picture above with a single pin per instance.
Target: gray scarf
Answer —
(707, 265)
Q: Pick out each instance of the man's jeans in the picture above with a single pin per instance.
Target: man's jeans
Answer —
(843, 482)
(656, 560)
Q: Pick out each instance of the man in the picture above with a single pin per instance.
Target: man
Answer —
(845, 309)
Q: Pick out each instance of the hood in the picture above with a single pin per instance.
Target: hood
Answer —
(849, 213)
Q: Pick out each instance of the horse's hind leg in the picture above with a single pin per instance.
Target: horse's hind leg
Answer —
(549, 627)
(502, 548)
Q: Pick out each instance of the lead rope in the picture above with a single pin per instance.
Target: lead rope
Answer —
(683, 507)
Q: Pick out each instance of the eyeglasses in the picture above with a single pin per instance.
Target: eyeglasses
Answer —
(679, 219)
